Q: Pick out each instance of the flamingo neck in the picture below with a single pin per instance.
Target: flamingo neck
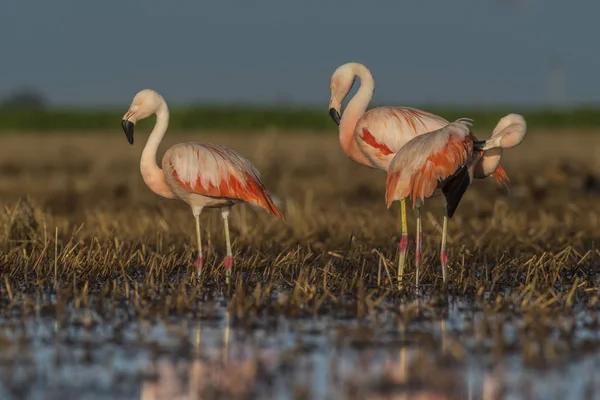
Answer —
(488, 163)
(491, 158)
(152, 174)
(354, 111)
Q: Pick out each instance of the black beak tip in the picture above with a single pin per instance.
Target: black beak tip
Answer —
(479, 144)
(335, 116)
(128, 128)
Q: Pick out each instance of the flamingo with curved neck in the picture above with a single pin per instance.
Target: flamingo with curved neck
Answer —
(203, 175)
(444, 160)
(372, 138)
(152, 174)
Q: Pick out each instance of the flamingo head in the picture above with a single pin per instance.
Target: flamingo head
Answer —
(341, 83)
(144, 104)
(509, 132)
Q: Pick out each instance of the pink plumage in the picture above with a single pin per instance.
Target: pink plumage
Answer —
(203, 175)
(217, 172)
(382, 131)
(422, 160)
(424, 163)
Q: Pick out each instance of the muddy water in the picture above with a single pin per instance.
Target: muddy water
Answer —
(85, 355)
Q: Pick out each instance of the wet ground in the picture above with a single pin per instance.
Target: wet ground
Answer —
(315, 310)
(101, 348)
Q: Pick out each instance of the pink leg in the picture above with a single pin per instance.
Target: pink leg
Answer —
(443, 255)
(418, 248)
(229, 257)
(418, 251)
(444, 259)
(200, 260)
(402, 247)
(228, 262)
(403, 244)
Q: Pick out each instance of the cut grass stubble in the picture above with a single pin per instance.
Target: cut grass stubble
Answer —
(77, 217)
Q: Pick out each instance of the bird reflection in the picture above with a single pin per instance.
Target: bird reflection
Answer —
(211, 372)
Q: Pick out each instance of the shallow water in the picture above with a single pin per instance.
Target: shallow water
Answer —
(84, 353)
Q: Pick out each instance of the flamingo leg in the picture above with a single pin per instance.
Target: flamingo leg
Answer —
(443, 255)
(200, 259)
(228, 262)
(403, 245)
(419, 243)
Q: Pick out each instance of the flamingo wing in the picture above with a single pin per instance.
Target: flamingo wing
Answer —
(384, 130)
(216, 171)
(454, 188)
(430, 159)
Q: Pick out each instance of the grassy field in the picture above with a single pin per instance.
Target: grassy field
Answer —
(257, 119)
(87, 190)
(75, 212)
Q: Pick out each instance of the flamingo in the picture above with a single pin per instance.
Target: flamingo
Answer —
(447, 159)
(203, 175)
(372, 138)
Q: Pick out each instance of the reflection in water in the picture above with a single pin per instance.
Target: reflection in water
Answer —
(355, 370)
(210, 371)
(187, 358)
(201, 379)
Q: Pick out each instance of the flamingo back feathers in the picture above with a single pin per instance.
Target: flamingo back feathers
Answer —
(382, 131)
(369, 139)
(428, 159)
(395, 126)
(216, 171)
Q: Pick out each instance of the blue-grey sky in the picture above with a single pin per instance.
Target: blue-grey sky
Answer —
(88, 53)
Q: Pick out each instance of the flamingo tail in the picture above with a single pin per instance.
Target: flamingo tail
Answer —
(501, 177)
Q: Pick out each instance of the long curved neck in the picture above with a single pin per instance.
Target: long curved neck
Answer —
(491, 158)
(355, 109)
(152, 174)
(488, 163)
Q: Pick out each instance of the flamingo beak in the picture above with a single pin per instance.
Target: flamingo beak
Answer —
(479, 144)
(335, 115)
(128, 128)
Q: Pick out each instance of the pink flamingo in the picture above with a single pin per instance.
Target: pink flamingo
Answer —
(203, 175)
(373, 137)
(447, 159)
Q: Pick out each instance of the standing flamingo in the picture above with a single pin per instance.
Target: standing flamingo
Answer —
(447, 159)
(373, 137)
(203, 175)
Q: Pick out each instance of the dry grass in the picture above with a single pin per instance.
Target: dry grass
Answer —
(75, 209)
(87, 192)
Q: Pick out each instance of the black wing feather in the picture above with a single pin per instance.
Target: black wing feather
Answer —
(454, 188)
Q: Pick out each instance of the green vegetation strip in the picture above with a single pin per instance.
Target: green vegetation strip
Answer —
(254, 119)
